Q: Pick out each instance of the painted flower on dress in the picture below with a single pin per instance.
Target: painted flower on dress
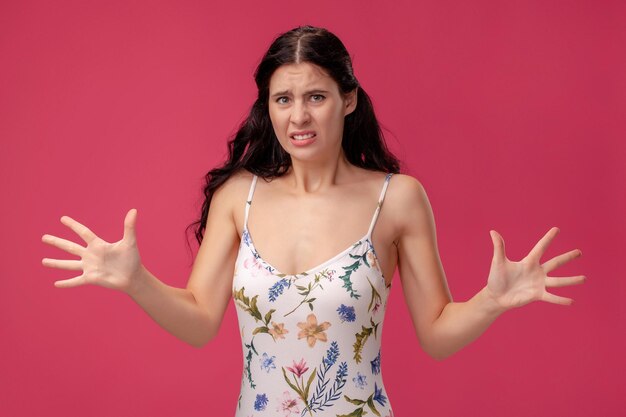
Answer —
(256, 267)
(277, 289)
(371, 259)
(346, 313)
(378, 395)
(359, 381)
(298, 368)
(261, 402)
(267, 362)
(278, 330)
(287, 405)
(376, 364)
(313, 331)
(330, 275)
(376, 307)
(331, 354)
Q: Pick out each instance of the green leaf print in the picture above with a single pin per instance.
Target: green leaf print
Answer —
(376, 298)
(250, 305)
(247, 369)
(362, 337)
(268, 316)
(362, 403)
(356, 413)
(308, 385)
(370, 404)
(293, 387)
(306, 291)
(347, 283)
(355, 402)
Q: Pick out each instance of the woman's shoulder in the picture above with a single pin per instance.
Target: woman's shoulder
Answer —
(405, 183)
(402, 189)
(405, 199)
(234, 191)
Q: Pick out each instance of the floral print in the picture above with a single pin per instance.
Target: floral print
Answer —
(277, 289)
(359, 380)
(346, 313)
(287, 405)
(260, 402)
(313, 331)
(267, 362)
(376, 364)
(278, 331)
(311, 341)
(298, 368)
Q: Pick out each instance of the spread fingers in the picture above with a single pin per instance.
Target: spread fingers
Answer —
(80, 229)
(561, 260)
(564, 281)
(66, 245)
(69, 283)
(556, 299)
(72, 265)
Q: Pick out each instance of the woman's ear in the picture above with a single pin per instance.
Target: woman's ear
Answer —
(350, 101)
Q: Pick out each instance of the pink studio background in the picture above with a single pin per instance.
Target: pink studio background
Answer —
(510, 113)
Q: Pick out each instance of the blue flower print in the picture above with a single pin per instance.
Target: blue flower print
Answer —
(331, 354)
(359, 380)
(277, 289)
(346, 313)
(246, 237)
(378, 395)
(261, 402)
(267, 362)
(376, 364)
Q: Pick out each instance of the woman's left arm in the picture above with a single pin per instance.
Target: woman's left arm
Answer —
(443, 326)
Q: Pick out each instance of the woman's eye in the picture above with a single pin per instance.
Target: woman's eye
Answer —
(314, 97)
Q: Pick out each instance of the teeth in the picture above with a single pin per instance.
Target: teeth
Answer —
(301, 137)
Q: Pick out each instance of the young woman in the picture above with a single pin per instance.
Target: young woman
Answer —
(304, 227)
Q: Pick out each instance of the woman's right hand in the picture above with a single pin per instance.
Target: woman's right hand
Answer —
(111, 265)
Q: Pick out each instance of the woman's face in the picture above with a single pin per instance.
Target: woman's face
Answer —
(307, 111)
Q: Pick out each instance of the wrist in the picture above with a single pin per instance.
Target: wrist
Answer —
(137, 282)
(489, 303)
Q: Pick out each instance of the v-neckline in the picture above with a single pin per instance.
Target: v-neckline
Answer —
(316, 268)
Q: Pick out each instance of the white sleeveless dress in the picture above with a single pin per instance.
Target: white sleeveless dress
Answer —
(311, 341)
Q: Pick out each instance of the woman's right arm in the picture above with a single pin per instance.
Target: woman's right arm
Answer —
(192, 314)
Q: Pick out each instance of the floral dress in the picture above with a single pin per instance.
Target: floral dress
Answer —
(311, 341)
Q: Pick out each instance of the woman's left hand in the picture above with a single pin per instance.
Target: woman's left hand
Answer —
(514, 284)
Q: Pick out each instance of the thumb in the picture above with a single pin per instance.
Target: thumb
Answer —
(499, 254)
(129, 226)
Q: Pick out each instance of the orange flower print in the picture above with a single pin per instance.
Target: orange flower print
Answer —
(371, 259)
(278, 330)
(313, 331)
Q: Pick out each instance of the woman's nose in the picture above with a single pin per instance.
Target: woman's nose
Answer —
(299, 113)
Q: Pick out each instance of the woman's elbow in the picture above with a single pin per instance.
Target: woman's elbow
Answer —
(436, 352)
(202, 339)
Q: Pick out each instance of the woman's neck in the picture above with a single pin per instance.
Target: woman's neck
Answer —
(305, 177)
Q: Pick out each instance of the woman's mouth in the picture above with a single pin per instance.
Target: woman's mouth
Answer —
(303, 139)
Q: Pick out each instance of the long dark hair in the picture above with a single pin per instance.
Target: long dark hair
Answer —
(255, 146)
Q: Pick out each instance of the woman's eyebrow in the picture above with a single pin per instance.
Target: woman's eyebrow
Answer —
(286, 92)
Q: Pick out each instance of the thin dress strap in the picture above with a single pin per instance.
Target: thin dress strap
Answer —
(380, 204)
(249, 202)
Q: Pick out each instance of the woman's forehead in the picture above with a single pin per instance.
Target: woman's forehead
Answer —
(302, 76)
